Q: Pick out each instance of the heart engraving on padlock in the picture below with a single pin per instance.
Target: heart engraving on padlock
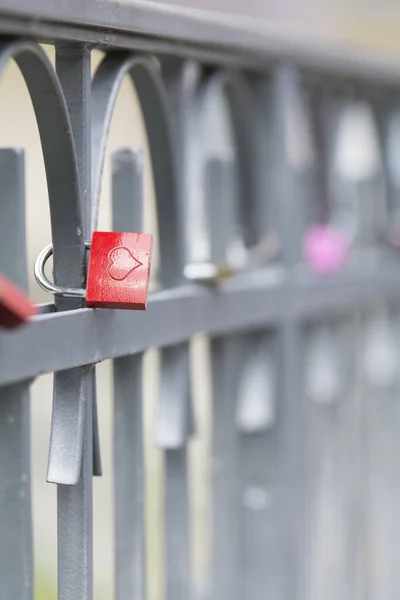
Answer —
(121, 263)
(119, 270)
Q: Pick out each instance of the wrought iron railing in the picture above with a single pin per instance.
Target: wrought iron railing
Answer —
(304, 474)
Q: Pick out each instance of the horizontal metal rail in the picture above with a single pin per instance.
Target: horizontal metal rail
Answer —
(178, 31)
(260, 299)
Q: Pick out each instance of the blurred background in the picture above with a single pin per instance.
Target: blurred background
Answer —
(369, 25)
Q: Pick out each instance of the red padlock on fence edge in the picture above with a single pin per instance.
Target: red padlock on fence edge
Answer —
(15, 305)
(118, 273)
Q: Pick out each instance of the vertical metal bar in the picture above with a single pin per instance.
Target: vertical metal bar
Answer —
(227, 581)
(357, 191)
(175, 397)
(288, 170)
(75, 505)
(174, 420)
(257, 408)
(226, 356)
(288, 189)
(127, 189)
(16, 560)
(328, 373)
(355, 476)
(249, 437)
(174, 425)
(256, 418)
(335, 498)
(388, 119)
(292, 468)
(380, 393)
(221, 200)
(266, 206)
(130, 579)
(380, 386)
(177, 548)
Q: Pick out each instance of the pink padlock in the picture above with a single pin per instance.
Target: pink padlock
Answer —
(325, 249)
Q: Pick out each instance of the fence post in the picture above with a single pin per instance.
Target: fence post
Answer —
(16, 561)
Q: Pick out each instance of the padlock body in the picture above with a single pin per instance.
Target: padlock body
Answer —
(15, 306)
(119, 270)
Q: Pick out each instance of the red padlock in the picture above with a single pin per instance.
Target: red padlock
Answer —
(119, 270)
(15, 306)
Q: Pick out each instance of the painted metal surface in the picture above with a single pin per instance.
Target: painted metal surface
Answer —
(16, 551)
(75, 387)
(220, 38)
(286, 413)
